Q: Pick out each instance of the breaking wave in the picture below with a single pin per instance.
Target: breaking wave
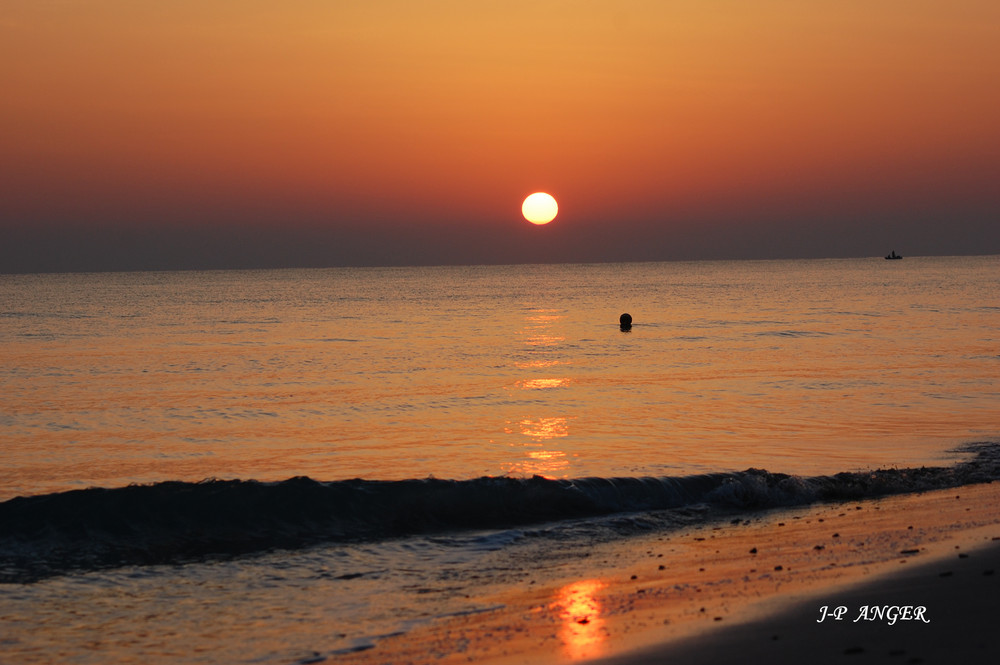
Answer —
(176, 522)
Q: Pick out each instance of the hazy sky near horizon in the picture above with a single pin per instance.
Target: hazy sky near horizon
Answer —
(252, 133)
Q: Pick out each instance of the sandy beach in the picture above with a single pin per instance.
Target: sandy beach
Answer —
(938, 612)
(753, 589)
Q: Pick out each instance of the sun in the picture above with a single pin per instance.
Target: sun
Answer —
(539, 208)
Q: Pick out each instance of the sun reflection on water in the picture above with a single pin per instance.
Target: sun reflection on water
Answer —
(537, 363)
(582, 629)
(542, 384)
(541, 460)
(544, 429)
(538, 431)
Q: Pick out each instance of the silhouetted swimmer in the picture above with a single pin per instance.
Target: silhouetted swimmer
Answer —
(625, 321)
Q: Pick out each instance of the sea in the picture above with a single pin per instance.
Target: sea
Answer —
(283, 466)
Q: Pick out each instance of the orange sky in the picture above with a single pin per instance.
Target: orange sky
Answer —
(650, 120)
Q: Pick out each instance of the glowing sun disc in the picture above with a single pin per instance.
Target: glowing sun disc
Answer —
(539, 208)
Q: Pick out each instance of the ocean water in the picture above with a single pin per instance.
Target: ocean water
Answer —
(280, 466)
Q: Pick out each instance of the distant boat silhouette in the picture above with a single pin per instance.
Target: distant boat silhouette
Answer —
(893, 255)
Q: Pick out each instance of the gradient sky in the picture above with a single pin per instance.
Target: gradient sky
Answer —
(251, 133)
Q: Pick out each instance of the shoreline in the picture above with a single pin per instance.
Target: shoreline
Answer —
(723, 585)
(923, 550)
(953, 603)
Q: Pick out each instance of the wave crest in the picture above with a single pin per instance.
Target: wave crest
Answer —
(173, 522)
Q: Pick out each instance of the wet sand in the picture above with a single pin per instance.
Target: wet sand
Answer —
(751, 589)
(945, 611)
